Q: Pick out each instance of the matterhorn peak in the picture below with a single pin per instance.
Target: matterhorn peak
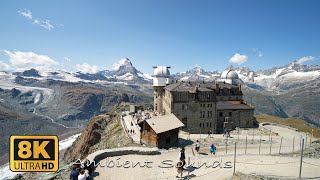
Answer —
(122, 62)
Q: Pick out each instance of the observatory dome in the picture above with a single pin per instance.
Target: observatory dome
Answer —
(229, 74)
(162, 71)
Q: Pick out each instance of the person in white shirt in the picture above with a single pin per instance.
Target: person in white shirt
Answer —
(83, 175)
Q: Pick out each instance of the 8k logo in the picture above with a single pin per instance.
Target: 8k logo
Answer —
(34, 153)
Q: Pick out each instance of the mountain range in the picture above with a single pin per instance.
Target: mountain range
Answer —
(287, 91)
(35, 102)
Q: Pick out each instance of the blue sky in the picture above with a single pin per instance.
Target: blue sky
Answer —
(179, 33)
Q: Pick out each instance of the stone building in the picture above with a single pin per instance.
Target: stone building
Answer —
(203, 106)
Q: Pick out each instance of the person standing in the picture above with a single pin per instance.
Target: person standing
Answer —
(213, 149)
(209, 134)
(74, 173)
(183, 157)
(83, 175)
(197, 146)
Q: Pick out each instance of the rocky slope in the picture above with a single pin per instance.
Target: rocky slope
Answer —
(102, 132)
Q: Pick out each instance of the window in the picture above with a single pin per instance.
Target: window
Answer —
(208, 114)
(156, 107)
(230, 114)
(182, 106)
(186, 106)
(200, 124)
(220, 114)
(208, 105)
(203, 114)
(185, 122)
(200, 105)
(210, 124)
(200, 114)
(207, 124)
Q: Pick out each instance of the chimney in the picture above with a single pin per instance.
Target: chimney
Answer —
(196, 88)
(217, 87)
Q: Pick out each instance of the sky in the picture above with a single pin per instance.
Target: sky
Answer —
(90, 36)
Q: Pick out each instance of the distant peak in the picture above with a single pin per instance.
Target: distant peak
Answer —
(230, 68)
(122, 62)
(198, 66)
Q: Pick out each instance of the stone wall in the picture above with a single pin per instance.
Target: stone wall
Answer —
(102, 154)
(196, 116)
(237, 118)
(158, 98)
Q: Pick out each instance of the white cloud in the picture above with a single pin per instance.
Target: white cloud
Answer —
(87, 68)
(26, 60)
(37, 21)
(44, 23)
(305, 59)
(26, 13)
(4, 66)
(238, 58)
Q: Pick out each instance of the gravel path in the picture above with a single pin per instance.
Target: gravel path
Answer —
(250, 163)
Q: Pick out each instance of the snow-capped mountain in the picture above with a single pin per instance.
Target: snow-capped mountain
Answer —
(287, 91)
(280, 79)
(125, 71)
(197, 74)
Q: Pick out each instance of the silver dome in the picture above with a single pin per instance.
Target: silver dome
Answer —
(162, 71)
(229, 74)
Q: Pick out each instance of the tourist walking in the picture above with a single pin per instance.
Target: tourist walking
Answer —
(179, 169)
(183, 157)
(197, 146)
(209, 134)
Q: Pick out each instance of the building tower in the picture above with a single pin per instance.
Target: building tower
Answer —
(230, 77)
(160, 80)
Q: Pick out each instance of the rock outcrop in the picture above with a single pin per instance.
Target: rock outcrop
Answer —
(90, 136)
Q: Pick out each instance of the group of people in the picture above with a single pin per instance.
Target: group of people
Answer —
(131, 131)
(80, 172)
(180, 165)
(212, 148)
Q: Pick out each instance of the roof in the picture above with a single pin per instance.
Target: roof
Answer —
(189, 86)
(233, 105)
(164, 123)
